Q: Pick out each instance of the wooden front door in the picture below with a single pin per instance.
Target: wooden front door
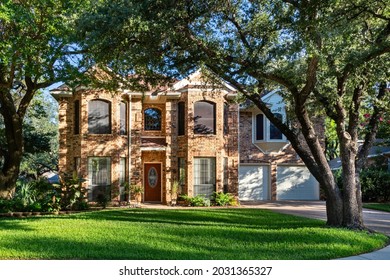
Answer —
(152, 182)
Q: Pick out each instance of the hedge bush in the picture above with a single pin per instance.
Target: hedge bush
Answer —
(375, 183)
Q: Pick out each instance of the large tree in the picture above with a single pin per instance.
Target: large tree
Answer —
(40, 131)
(327, 57)
(36, 51)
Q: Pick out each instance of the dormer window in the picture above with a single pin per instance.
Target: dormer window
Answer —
(266, 136)
(259, 123)
(265, 130)
(274, 132)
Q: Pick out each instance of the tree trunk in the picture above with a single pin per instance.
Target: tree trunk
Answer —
(12, 153)
(352, 211)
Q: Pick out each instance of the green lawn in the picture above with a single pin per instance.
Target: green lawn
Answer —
(179, 234)
(378, 206)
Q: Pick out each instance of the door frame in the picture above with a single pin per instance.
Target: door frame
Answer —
(161, 179)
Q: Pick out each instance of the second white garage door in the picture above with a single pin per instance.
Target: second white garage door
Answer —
(253, 183)
(296, 183)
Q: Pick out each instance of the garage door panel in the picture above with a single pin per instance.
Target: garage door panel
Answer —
(253, 182)
(296, 183)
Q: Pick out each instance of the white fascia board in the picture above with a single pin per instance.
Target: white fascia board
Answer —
(153, 149)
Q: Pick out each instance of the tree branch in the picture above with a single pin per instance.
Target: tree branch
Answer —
(25, 102)
(373, 126)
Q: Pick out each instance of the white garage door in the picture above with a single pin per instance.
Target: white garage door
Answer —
(296, 183)
(253, 182)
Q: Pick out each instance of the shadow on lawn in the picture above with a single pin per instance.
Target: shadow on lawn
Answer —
(223, 244)
(181, 234)
(13, 224)
(248, 218)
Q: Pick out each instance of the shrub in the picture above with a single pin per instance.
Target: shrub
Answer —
(71, 193)
(102, 200)
(224, 199)
(375, 184)
(196, 201)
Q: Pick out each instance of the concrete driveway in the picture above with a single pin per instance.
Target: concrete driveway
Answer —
(375, 220)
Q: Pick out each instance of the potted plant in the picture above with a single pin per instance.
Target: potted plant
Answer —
(174, 191)
(137, 191)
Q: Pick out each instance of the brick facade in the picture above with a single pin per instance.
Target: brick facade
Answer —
(229, 146)
(79, 147)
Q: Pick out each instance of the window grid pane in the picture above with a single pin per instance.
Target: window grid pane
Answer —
(182, 171)
(225, 174)
(99, 175)
(204, 176)
(122, 171)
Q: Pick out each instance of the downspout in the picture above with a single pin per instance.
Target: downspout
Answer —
(129, 145)
(238, 148)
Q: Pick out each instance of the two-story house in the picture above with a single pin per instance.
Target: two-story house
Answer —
(192, 132)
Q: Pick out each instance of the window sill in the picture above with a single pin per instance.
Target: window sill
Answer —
(205, 135)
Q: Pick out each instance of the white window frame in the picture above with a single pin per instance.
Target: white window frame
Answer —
(266, 128)
(211, 174)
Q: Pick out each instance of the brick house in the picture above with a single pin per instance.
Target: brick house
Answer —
(192, 133)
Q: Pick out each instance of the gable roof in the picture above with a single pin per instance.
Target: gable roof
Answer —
(196, 80)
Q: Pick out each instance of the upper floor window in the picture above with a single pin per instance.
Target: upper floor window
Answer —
(152, 119)
(274, 132)
(76, 117)
(99, 117)
(259, 127)
(180, 118)
(123, 118)
(264, 130)
(204, 117)
(226, 119)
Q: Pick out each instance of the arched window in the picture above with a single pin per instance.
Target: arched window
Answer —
(204, 117)
(152, 119)
(99, 117)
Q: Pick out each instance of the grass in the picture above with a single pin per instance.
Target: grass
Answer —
(378, 206)
(179, 234)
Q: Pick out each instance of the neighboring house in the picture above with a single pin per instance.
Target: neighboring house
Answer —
(192, 133)
(379, 155)
(269, 168)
